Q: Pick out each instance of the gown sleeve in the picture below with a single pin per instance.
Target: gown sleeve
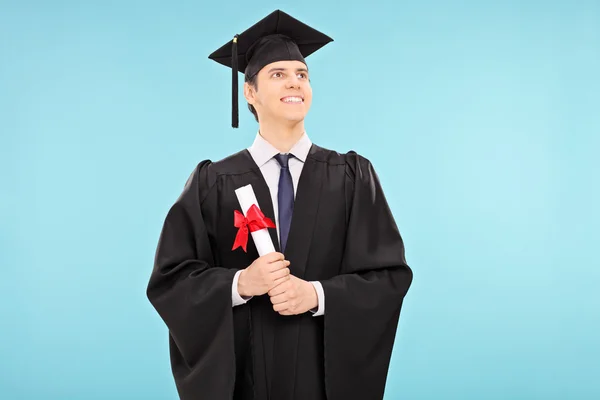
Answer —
(193, 296)
(364, 301)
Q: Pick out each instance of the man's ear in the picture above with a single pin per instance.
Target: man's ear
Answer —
(249, 93)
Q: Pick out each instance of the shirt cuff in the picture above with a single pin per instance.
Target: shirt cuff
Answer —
(320, 310)
(236, 299)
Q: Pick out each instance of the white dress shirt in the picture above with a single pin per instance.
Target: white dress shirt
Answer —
(263, 152)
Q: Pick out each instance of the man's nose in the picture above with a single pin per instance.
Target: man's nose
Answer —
(293, 82)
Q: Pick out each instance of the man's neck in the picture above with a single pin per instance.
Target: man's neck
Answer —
(282, 136)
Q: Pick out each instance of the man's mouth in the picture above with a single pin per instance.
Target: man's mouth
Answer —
(293, 99)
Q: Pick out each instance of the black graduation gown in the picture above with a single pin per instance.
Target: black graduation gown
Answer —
(342, 234)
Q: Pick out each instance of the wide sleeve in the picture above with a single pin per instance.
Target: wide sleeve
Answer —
(193, 296)
(364, 301)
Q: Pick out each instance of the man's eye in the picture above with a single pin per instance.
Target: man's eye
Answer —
(302, 75)
(277, 75)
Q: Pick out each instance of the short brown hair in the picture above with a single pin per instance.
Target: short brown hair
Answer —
(252, 81)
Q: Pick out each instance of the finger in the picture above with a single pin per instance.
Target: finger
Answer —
(280, 286)
(274, 266)
(288, 312)
(279, 282)
(277, 265)
(274, 256)
(280, 298)
(281, 306)
(279, 273)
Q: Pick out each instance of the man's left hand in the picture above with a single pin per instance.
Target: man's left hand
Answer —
(294, 296)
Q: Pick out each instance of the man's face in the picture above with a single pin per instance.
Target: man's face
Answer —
(284, 92)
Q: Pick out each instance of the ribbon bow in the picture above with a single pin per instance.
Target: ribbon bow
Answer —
(254, 221)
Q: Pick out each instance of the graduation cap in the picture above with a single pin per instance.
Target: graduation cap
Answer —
(277, 37)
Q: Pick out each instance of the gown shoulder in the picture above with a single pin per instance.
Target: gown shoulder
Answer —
(355, 164)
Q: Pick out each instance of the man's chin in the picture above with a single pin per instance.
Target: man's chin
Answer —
(288, 117)
(295, 117)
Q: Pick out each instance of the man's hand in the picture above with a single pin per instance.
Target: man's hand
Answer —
(263, 274)
(294, 296)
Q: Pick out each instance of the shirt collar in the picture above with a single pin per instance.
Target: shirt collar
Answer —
(262, 151)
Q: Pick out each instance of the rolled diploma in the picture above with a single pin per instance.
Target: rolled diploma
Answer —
(262, 239)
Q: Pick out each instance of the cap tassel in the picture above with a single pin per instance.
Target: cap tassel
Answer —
(234, 89)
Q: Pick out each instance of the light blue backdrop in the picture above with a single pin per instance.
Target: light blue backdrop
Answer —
(482, 119)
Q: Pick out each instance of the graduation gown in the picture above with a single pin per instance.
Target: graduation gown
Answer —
(342, 234)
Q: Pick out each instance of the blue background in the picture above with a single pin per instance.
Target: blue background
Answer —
(481, 118)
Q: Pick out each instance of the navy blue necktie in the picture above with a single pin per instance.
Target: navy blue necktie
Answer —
(285, 199)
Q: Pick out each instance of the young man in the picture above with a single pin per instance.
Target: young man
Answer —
(317, 318)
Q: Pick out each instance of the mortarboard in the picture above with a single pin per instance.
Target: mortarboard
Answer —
(277, 37)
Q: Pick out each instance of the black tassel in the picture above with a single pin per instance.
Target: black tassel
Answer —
(234, 79)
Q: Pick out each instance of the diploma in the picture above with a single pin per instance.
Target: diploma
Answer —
(262, 238)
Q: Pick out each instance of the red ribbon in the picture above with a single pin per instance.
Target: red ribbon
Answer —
(254, 221)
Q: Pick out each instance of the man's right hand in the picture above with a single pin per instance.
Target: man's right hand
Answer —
(263, 274)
